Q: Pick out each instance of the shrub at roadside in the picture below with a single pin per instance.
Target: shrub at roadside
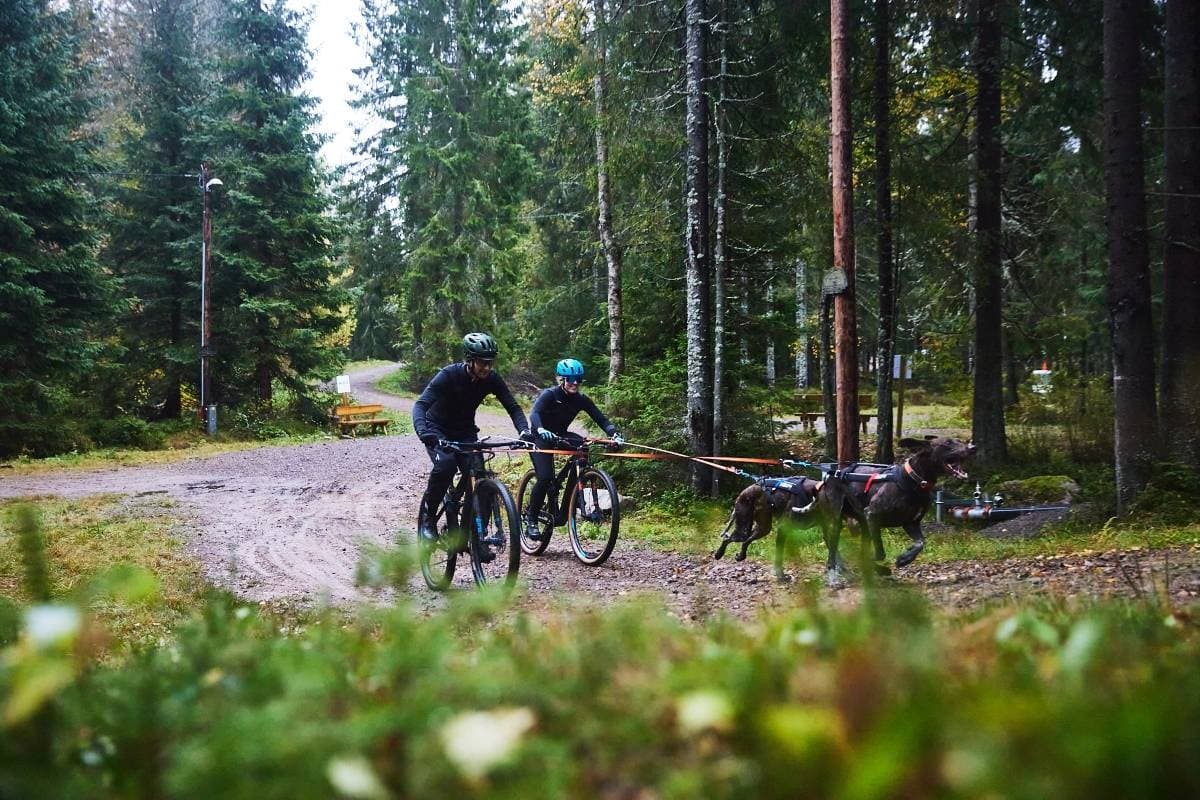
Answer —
(614, 702)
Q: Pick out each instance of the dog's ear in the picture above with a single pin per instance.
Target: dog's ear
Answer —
(909, 443)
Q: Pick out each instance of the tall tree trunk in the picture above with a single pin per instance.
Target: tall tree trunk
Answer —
(770, 328)
(828, 382)
(744, 308)
(987, 419)
(843, 231)
(883, 218)
(1011, 397)
(699, 380)
(604, 223)
(1181, 256)
(173, 402)
(1130, 319)
(801, 326)
(720, 257)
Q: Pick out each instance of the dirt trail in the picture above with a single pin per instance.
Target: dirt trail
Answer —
(289, 523)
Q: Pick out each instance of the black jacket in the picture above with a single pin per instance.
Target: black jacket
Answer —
(447, 406)
(554, 410)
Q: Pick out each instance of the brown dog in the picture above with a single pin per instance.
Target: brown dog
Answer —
(761, 503)
(881, 497)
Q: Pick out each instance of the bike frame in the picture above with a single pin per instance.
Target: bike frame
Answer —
(567, 475)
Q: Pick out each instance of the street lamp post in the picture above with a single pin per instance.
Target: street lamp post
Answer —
(207, 409)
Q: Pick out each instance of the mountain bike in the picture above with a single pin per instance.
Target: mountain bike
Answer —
(592, 512)
(477, 517)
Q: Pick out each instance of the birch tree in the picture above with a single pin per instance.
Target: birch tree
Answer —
(604, 221)
(883, 219)
(699, 381)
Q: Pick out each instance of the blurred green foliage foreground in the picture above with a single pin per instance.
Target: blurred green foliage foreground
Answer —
(620, 702)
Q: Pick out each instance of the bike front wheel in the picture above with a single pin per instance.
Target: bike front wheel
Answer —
(534, 547)
(593, 516)
(493, 542)
(439, 556)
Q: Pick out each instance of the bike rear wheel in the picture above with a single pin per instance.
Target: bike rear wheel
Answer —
(593, 516)
(438, 557)
(534, 547)
(494, 531)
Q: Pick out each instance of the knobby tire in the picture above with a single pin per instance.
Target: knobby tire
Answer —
(593, 529)
(494, 526)
(545, 520)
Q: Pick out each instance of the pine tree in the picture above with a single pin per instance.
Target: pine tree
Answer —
(50, 289)
(274, 300)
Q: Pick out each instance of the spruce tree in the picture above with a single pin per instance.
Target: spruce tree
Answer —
(450, 161)
(275, 303)
(50, 289)
(154, 246)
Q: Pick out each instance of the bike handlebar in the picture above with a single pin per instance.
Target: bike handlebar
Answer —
(483, 444)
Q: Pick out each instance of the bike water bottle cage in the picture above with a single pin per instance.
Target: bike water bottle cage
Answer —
(570, 370)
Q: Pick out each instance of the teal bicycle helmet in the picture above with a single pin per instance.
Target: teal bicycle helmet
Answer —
(479, 345)
(569, 368)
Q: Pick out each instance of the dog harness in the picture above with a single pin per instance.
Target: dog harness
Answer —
(794, 487)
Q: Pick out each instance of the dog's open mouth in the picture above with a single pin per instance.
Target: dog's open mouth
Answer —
(957, 471)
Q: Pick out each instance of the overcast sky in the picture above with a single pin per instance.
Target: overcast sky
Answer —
(335, 55)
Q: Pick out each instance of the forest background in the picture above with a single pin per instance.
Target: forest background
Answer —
(644, 186)
(652, 188)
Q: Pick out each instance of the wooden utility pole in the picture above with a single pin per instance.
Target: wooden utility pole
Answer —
(843, 232)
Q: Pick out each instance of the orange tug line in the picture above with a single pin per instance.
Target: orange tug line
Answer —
(709, 461)
(661, 454)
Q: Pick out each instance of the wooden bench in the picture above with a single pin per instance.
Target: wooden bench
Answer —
(808, 419)
(347, 418)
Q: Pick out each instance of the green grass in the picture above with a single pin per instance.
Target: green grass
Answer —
(396, 383)
(179, 448)
(355, 366)
(89, 545)
(696, 529)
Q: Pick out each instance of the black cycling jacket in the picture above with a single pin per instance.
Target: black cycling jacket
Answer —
(555, 410)
(447, 406)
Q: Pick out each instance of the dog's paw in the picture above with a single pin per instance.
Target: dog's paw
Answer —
(882, 569)
(740, 557)
(834, 579)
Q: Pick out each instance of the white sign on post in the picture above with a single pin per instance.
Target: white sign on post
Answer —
(896, 368)
(343, 384)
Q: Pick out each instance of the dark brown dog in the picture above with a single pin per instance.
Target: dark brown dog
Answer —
(890, 497)
(760, 504)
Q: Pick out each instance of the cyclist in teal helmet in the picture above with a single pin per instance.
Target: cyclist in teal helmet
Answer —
(553, 412)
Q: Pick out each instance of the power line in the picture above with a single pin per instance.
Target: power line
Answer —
(139, 174)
